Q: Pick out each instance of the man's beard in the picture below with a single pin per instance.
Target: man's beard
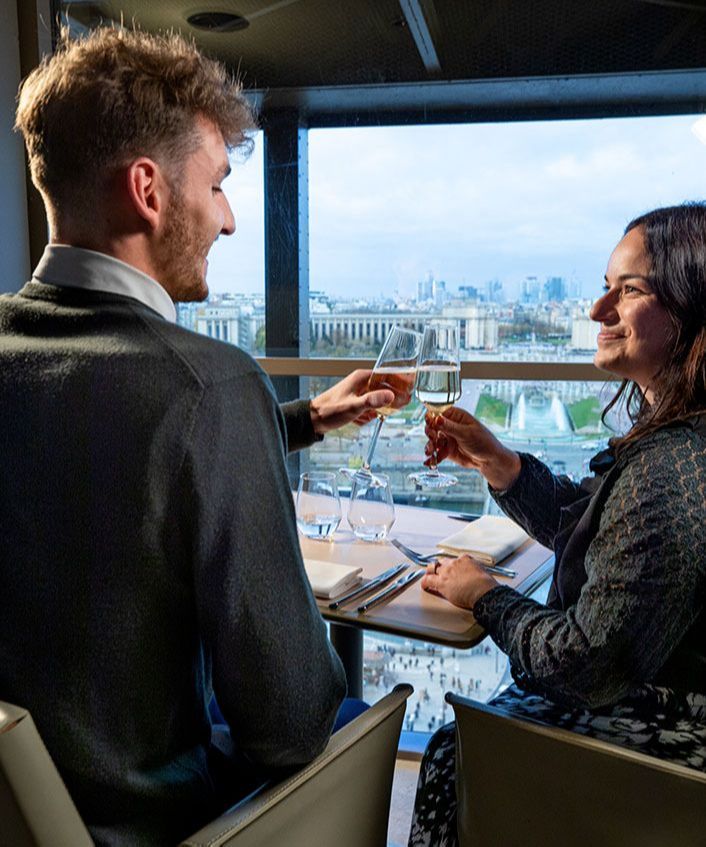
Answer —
(181, 254)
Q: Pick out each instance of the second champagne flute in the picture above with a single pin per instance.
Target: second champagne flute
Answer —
(396, 369)
(438, 386)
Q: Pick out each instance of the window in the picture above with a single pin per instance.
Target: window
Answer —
(504, 227)
(559, 422)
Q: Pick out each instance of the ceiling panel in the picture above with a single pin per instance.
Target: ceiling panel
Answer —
(310, 43)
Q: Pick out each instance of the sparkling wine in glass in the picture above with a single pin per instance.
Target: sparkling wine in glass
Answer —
(438, 386)
(395, 369)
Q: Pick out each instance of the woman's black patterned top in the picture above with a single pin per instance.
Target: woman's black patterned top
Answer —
(627, 603)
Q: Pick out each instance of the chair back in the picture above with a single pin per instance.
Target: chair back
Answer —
(35, 807)
(341, 799)
(520, 782)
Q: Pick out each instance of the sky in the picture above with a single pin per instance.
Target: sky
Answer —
(467, 203)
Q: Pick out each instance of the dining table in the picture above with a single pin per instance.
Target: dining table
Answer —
(412, 613)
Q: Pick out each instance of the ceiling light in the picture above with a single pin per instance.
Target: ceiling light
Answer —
(218, 21)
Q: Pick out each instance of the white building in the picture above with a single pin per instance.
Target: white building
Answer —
(220, 322)
(362, 326)
(478, 327)
(584, 331)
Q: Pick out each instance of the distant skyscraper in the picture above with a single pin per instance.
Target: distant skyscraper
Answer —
(468, 292)
(555, 288)
(494, 291)
(530, 292)
(438, 292)
(425, 289)
(575, 289)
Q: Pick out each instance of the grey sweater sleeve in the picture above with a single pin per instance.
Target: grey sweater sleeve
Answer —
(646, 571)
(536, 498)
(297, 419)
(278, 681)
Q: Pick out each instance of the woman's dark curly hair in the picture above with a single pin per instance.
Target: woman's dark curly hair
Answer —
(675, 241)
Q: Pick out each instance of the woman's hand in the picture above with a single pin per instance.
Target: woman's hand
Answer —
(461, 581)
(458, 436)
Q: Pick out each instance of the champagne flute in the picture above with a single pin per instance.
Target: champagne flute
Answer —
(438, 386)
(395, 369)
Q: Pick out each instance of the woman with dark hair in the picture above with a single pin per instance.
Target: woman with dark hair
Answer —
(619, 650)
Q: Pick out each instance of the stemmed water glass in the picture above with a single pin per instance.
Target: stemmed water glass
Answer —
(396, 369)
(438, 387)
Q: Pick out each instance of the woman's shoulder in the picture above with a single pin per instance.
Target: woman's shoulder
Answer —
(667, 463)
(658, 487)
(671, 442)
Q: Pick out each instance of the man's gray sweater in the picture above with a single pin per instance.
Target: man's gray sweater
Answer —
(148, 556)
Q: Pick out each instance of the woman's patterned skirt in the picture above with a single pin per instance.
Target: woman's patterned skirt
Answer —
(655, 721)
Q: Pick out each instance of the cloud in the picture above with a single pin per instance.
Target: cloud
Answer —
(471, 202)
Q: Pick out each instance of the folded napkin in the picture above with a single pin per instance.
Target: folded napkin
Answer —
(489, 539)
(329, 579)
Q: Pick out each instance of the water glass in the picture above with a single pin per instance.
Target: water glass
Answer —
(318, 505)
(371, 511)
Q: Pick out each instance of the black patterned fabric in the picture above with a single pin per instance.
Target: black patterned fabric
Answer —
(434, 819)
(627, 601)
(618, 653)
(657, 721)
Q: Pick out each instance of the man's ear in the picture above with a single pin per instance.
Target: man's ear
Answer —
(147, 190)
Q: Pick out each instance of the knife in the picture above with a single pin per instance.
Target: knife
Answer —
(380, 579)
(397, 586)
(464, 516)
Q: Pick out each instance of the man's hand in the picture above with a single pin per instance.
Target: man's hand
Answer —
(348, 402)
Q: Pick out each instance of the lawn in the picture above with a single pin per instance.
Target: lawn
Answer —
(586, 412)
(491, 410)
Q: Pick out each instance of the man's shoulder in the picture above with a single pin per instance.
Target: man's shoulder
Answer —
(212, 361)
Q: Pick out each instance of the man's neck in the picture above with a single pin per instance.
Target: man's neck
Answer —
(131, 249)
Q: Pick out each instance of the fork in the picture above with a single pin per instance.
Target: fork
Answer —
(419, 559)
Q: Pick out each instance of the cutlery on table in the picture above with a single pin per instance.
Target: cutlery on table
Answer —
(392, 590)
(464, 516)
(371, 585)
(497, 570)
(419, 558)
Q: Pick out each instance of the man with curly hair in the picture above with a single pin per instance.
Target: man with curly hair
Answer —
(150, 555)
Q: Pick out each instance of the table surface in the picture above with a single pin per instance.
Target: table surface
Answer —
(414, 612)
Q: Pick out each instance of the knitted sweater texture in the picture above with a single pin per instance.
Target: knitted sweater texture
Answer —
(148, 557)
(629, 583)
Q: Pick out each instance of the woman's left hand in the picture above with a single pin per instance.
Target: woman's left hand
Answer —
(461, 581)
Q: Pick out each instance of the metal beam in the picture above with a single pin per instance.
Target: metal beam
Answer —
(589, 95)
(423, 40)
(286, 236)
(287, 254)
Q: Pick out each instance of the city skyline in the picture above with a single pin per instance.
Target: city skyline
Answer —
(467, 203)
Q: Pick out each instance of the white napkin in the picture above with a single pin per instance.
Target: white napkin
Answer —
(329, 579)
(490, 539)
